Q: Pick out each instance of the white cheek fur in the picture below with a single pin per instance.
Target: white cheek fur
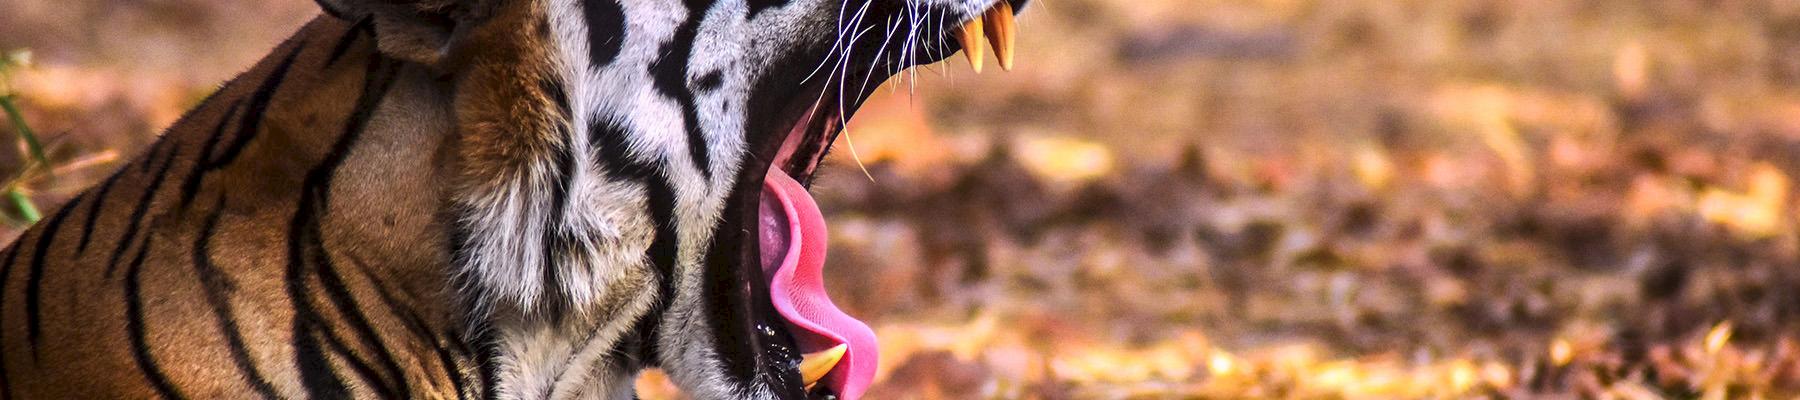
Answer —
(506, 256)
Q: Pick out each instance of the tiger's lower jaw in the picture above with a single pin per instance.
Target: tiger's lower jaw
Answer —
(778, 335)
(839, 352)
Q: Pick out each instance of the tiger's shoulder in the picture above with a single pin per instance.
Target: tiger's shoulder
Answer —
(285, 230)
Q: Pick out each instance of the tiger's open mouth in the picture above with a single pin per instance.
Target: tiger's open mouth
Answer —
(840, 352)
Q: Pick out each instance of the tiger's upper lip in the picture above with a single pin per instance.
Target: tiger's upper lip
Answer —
(804, 144)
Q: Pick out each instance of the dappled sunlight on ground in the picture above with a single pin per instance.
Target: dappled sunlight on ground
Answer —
(1232, 198)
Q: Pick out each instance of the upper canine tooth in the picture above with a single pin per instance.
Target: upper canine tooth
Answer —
(972, 33)
(813, 367)
(1002, 32)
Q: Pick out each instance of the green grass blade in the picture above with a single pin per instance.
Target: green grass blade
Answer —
(27, 209)
(32, 143)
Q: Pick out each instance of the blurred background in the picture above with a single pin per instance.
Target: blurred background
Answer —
(1219, 198)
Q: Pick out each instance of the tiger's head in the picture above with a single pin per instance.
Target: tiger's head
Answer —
(641, 162)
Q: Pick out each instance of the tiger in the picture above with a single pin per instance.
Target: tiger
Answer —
(498, 199)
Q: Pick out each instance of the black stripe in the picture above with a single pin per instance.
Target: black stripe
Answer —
(361, 367)
(143, 207)
(306, 248)
(316, 374)
(379, 78)
(331, 8)
(609, 143)
(758, 6)
(191, 187)
(606, 30)
(251, 125)
(452, 370)
(664, 249)
(34, 282)
(490, 366)
(134, 326)
(558, 244)
(407, 316)
(111, 271)
(610, 148)
(559, 94)
(670, 72)
(318, 184)
(350, 37)
(335, 345)
(218, 289)
(461, 352)
(150, 156)
(416, 324)
(345, 305)
(94, 210)
(12, 257)
(485, 363)
(710, 81)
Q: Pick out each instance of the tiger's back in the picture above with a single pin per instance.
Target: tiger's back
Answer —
(286, 231)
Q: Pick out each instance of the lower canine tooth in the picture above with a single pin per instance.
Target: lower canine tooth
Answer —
(972, 35)
(813, 367)
(1002, 32)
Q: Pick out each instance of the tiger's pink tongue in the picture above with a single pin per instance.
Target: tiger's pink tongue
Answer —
(793, 241)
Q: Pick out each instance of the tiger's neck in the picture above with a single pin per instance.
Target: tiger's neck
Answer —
(550, 250)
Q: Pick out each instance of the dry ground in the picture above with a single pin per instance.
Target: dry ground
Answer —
(1234, 198)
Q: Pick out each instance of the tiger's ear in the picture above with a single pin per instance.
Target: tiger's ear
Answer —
(421, 31)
